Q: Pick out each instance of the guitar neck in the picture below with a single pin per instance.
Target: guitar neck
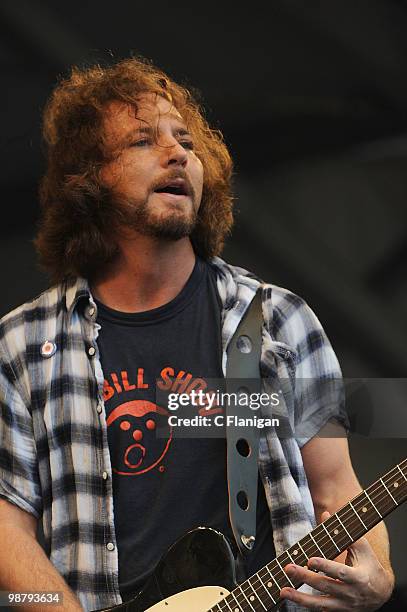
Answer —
(262, 590)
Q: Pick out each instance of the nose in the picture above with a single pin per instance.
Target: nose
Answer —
(175, 154)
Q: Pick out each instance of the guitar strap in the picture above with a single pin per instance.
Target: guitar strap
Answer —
(243, 377)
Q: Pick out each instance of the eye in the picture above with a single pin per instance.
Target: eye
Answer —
(141, 143)
(187, 144)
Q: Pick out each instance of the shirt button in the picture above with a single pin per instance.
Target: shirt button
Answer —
(99, 408)
(91, 311)
(110, 546)
(105, 475)
(91, 351)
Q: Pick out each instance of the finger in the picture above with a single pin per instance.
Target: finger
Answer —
(314, 602)
(334, 569)
(322, 583)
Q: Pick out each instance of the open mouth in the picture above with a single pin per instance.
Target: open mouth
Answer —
(177, 187)
(134, 456)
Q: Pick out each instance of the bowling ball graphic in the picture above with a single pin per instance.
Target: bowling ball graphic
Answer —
(134, 425)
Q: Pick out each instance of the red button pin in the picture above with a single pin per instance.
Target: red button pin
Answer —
(48, 349)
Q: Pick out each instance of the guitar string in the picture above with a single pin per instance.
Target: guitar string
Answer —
(256, 578)
(327, 538)
(389, 477)
(349, 512)
(381, 488)
(386, 479)
(355, 520)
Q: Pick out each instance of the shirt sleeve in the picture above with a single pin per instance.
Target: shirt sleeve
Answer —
(318, 393)
(319, 389)
(19, 476)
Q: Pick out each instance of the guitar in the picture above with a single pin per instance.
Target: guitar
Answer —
(203, 557)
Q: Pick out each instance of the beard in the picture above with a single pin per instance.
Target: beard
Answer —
(172, 224)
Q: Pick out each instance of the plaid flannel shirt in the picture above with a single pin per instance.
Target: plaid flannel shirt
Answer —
(54, 457)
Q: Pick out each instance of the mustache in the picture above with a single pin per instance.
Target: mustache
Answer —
(171, 176)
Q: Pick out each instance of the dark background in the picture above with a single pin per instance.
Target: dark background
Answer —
(312, 100)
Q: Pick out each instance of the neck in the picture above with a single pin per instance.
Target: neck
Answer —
(146, 274)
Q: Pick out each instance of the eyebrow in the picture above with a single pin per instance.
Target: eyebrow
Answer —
(147, 130)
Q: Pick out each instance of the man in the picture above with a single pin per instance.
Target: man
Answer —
(136, 205)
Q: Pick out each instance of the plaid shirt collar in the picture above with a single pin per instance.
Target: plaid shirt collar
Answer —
(76, 290)
(231, 277)
(236, 288)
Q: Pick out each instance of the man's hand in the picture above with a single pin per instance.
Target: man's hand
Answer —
(361, 584)
(366, 581)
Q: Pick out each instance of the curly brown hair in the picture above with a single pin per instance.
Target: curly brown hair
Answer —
(75, 230)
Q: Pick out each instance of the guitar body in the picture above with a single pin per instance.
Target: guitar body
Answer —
(197, 561)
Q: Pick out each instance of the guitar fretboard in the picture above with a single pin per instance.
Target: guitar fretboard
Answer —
(261, 591)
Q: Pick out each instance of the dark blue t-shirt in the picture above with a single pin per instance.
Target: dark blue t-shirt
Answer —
(164, 485)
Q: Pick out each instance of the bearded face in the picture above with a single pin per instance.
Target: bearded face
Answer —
(156, 179)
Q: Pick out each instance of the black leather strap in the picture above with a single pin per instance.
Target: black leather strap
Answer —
(243, 376)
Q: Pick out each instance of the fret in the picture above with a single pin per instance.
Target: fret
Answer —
(334, 526)
(252, 597)
(332, 540)
(295, 552)
(366, 509)
(402, 473)
(284, 559)
(381, 495)
(398, 488)
(368, 497)
(381, 480)
(265, 578)
(303, 552)
(313, 539)
(240, 587)
(284, 574)
(235, 602)
(254, 591)
(272, 575)
(266, 590)
(325, 541)
(226, 602)
(343, 526)
(357, 514)
(396, 484)
(307, 542)
(271, 584)
(393, 477)
(291, 559)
